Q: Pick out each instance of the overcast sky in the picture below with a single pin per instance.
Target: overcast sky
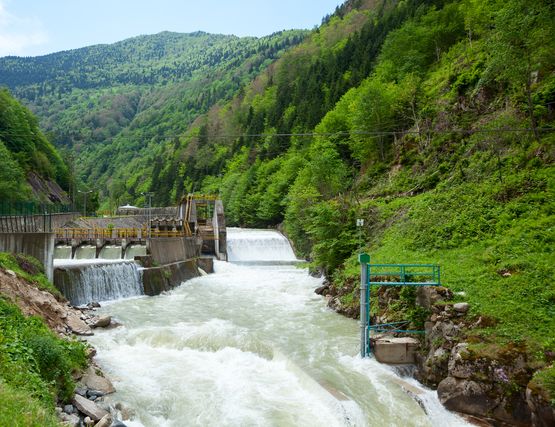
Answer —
(38, 27)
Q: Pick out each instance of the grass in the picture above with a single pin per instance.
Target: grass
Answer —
(494, 241)
(18, 409)
(30, 269)
(36, 365)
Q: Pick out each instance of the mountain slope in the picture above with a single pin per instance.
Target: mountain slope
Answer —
(30, 167)
(115, 104)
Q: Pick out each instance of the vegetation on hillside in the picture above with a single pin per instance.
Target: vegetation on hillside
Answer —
(441, 139)
(23, 149)
(115, 106)
(36, 365)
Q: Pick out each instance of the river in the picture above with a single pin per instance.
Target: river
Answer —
(252, 345)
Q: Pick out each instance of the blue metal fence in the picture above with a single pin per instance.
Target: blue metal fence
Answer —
(389, 275)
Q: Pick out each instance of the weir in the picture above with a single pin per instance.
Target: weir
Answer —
(82, 283)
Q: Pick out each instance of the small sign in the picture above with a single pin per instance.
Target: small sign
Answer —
(360, 222)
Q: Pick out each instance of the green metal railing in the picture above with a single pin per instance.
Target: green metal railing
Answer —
(8, 208)
(389, 275)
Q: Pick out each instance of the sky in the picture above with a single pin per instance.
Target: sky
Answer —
(38, 27)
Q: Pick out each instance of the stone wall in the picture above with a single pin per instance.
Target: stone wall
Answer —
(159, 279)
(35, 223)
(167, 250)
(38, 245)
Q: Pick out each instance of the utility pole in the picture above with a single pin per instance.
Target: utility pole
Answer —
(85, 196)
(149, 195)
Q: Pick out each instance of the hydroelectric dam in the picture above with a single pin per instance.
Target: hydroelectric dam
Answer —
(139, 251)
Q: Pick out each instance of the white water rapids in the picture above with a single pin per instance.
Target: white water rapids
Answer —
(251, 346)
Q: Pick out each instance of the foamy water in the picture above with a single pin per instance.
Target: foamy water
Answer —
(251, 346)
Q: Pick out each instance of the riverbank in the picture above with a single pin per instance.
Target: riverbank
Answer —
(48, 375)
(498, 384)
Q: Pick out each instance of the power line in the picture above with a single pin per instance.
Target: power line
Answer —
(340, 133)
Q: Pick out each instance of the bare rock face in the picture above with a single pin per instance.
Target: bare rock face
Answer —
(93, 381)
(543, 414)
(88, 408)
(465, 396)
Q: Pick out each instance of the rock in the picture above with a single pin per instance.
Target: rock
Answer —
(98, 383)
(81, 391)
(69, 409)
(106, 421)
(88, 421)
(11, 273)
(59, 410)
(461, 307)
(88, 408)
(458, 367)
(77, 326)
(102, 322)
(118, 423)
(322, 290)
(543, 414)
(70, 419)
(94, 304)
(94, 393)
(465, 396)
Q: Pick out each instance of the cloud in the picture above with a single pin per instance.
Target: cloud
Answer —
(18, 34)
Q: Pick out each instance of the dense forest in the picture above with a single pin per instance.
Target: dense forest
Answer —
(114, 106)
(25, 151)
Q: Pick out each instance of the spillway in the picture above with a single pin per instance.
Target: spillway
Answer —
(252, 345)
(86, 280)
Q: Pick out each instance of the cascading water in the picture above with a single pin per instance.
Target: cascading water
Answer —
(85, 252)
(258, 246)
(81, 282)
(252, 345)
(135, 250)
(110, 252)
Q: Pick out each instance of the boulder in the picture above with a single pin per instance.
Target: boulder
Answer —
(322, 290)
(99, 384)
(465, 396)
(77, 326)
(543, 414)
(106, 421)
(70, 420)
(101, 322)
(88, 408)
(461, 307)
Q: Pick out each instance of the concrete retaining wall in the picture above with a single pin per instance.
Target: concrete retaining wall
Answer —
(35, 223)
(38, 245)
(159, 279)
(172, 249)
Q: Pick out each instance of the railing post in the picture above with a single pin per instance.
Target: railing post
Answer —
(364, 259)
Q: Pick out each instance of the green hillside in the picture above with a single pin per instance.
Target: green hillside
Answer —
(440, 136)
(27, 157)
(116, 105)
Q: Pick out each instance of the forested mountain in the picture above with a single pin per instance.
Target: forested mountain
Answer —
(432, 120)
(31, 169)
(115, 105)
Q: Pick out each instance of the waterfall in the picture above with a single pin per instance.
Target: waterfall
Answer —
(258, 246)
(84, 283)
(110, 252)
(85, 252)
